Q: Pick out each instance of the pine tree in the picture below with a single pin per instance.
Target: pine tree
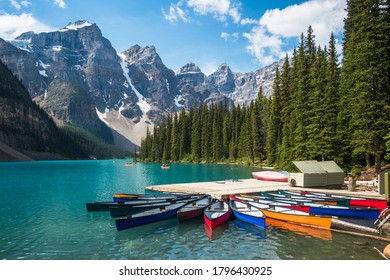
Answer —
(257, 131)
(167, 144)
(315, 144)
(185, 134)
(195, 135)
(285, 90)
(216, 133)
(226, 134)
(300, 97)
(205, 134)
(274, 122)
(331, 98)
(175, 139)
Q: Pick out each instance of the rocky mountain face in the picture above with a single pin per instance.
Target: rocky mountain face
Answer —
(153, 82)
(24, 127)
(76, 75)
(71, 72)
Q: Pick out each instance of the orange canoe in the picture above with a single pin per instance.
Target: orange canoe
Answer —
(292, 215)
(304, 230)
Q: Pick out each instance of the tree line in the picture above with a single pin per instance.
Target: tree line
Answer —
(210, 134)
(320, 108)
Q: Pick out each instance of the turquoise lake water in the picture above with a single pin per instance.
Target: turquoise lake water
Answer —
(43, 217)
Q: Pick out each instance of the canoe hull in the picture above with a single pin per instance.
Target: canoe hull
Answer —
(151, 216)
(361, 213)
(380, 204)
(121, 197)
(260, 222)
(270, 176)
(125, 211)
(324, 222)
(105, 205)
(214, 223)
(217, 214)
(184, 216)
(194, 209)
(125, 223)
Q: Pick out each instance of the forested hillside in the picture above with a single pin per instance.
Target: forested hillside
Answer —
(25, 127)
(321, 108)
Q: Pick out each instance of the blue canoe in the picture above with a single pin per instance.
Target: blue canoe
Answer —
(247, 213)
(150, 216)
(339, 211)
(365, 213)
(344, 211)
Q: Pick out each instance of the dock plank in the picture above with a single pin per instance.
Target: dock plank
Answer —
(219, 189)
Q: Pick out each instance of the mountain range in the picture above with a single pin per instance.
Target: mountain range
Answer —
(76, 76)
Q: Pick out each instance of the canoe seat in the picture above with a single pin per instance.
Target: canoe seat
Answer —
(216, 214)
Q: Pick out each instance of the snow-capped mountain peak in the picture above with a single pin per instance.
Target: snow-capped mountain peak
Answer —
(76, 25)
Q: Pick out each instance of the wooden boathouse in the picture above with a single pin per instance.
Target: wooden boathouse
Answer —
(317, 174)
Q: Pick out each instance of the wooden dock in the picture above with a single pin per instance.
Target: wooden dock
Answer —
(221, 189)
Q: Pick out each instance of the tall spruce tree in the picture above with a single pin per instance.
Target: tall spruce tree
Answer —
(285, 90)
(315, 143)
(274, 121)
(300, 106)
(195, 135)
(331, 98)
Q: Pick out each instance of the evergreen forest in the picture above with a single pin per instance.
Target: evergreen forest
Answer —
(323, 107)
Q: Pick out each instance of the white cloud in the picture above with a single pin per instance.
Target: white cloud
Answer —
(276, 26)
(266, 48)
(235, 14)
(12, 26)
(18, 5)
(230, 37)
(60, 3)
(219, 9)
(176, 13)
(324, 16)
(15, 4)
(25, 3)
(246, 21)
(203, 7)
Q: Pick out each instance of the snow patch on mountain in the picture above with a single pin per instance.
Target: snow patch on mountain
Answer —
(75, 26)
(142, 104)
(177, 100)
(57, 48)
(43, 73)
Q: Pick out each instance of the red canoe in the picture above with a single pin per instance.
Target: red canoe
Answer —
(217, 214)
(270, 176)
(353, 200)
(194, 209)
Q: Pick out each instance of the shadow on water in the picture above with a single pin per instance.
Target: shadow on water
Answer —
(255, 231)
(188, 226)
(215, 234)
(306, 231)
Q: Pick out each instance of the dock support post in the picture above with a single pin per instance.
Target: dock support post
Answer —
(387, 187)
(351, 184)
(384, 185)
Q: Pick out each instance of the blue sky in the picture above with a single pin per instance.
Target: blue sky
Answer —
(245, 34)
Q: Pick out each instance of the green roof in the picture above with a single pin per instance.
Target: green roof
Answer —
(330, 166)
(313, 166)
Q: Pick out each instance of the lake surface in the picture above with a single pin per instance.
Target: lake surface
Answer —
(43, 217)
